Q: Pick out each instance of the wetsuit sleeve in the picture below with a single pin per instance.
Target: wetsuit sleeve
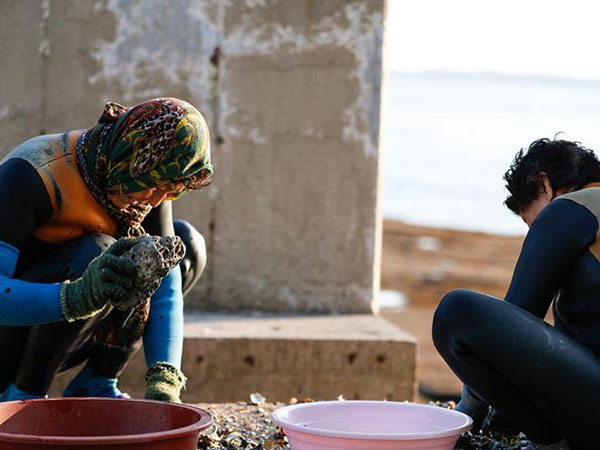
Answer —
(560, 234)
(163, 335)
(24, 203)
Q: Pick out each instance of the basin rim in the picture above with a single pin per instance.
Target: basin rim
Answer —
(281, 421)
(206, 420)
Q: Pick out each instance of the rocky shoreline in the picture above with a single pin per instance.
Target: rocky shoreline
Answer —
(424, 263)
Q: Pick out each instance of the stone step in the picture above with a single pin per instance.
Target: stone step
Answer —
(228, 357)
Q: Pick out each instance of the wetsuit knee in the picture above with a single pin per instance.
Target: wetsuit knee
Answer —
(456, 309)
(193, 263)
(82, 250)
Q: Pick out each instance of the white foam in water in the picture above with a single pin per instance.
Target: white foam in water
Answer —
(450, 138)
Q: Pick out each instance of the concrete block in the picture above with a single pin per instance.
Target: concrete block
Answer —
(226, 358)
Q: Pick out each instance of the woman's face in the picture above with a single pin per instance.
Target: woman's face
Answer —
(153, 196)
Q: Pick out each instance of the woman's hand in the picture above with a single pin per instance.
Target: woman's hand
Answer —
(109, 277)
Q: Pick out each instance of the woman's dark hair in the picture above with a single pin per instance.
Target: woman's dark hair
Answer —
(567, 165)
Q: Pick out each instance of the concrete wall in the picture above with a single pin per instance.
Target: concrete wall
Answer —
(291, 91)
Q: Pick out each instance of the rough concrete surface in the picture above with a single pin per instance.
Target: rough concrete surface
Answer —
(291, 92)
(226, 358)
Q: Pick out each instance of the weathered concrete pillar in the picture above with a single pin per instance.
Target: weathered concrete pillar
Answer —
(291, 91)
(21, 75)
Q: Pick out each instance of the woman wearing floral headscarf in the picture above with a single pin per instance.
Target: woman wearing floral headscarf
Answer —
(70, 205)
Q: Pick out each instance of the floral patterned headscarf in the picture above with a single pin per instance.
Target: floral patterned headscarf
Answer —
(156, 143)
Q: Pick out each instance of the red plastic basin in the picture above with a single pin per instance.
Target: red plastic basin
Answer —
(100, 423)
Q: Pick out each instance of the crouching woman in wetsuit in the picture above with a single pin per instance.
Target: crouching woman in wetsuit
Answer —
(70, 205)
(543, 379)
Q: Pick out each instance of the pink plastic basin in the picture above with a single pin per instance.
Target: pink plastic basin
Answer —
(100, 423)
(371, 425)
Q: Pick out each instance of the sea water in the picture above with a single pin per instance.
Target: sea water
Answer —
(449, 138)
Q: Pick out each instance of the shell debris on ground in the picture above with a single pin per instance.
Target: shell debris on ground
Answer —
(243, 426)
(248, 426)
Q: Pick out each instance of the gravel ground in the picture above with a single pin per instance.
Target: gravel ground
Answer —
(242, 426)
(248, 425)
(485, 442)
(496, 433)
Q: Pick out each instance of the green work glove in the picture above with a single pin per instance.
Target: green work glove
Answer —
(164, 382)
(107, 277)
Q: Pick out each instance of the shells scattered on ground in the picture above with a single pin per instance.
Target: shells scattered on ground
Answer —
(487, 440)
(248, 425)
(243, 426)
(470, 441)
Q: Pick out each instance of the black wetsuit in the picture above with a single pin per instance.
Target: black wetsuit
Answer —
(545, 379)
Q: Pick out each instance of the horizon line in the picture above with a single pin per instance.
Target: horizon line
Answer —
(492, 74)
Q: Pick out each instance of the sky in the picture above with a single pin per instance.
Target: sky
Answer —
(532, 37)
